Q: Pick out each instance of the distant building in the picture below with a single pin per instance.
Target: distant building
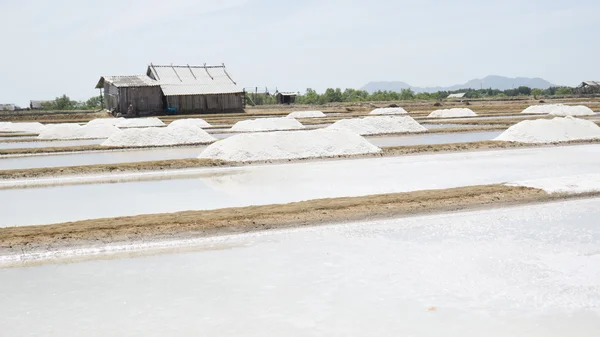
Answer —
(588, 87)
(36, 105)
(177, 89)
(285, 97)
(8, 107)
(459, 95)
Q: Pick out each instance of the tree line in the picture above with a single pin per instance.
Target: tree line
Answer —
(352, 95)
(65, 103)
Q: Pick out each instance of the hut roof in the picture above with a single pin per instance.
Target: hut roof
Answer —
(459, 95)
(127, 81)
(193, 80)
(591, 83)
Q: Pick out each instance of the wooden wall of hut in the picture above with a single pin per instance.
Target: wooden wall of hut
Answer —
(145, 100)
(207, 103)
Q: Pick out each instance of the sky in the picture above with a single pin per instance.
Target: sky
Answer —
(50, 48)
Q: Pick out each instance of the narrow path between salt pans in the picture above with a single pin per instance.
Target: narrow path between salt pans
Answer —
(272, 184)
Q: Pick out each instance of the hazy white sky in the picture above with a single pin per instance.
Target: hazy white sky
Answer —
(64, 46)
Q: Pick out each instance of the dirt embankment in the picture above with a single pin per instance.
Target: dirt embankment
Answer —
(192, 224)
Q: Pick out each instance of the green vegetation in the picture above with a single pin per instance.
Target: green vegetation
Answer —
(352, 95)
(65, 103)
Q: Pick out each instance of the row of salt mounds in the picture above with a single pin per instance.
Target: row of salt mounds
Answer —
(75, 131)
(140, 122)
(106, 121)
(169, 136)
(289, 145)
(388, 111)
(454, 112)
(267, 124)
(551, 131)
(29, 127)
(199, 122)
(559, 110)
(378, 125)
(306, 114)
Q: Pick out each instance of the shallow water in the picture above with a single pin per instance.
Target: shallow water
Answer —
(58, 143)
(434, 138)
(95, 158)
(283, 183)
(525, 271)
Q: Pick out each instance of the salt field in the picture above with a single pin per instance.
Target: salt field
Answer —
(237, 186)
(532, 270)
(436, 138)
(99, 157)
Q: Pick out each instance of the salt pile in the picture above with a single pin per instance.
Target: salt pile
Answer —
(140, 122)
(29, 127)
(306, 114)
(388, 111)
(288, 145)
(199, 122)
(267, 124)
(106, 121)
(378, 125)
(75, 131)
(559, 110)
(551, 131)
(177, 135)
(455, 112)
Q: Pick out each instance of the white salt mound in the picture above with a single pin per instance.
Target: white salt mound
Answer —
(551, 131)
(559, 110)
(267, 124)
(106, 121)
(29, 127)
(455, 112)
(288, 145)
(75, 131)
(199, 122)
(388, 111)
(140, 122)
(378, 125)
(306, 114)
(178, 135)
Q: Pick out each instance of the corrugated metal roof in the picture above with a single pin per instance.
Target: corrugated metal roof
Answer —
(592, 83)
(193, 80)
(38, 104)
(127, 81)
(460, 95)
(197, 89)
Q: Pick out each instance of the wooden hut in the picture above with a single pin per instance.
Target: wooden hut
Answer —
(285, 97)
(139, 91)
(588, 88)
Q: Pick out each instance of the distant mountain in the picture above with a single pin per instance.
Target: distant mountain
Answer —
(493, 81)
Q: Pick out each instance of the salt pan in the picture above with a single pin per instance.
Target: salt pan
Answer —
(306, 114)
(378, 125)
(389, 111)
(454, 112)
(267, 124)
(177, 135)
(559, 110)
(289, 145)
(551, 131)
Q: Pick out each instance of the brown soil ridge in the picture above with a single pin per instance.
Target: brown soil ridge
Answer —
(192, 224)
(200, 163)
